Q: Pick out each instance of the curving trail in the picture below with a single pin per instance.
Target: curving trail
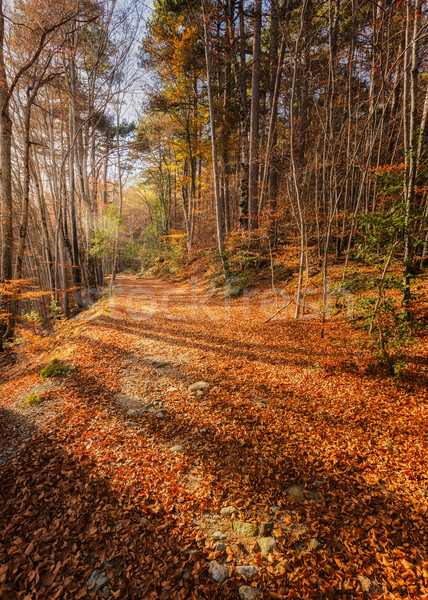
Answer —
(121, 473)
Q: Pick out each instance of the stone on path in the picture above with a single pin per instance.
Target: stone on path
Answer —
(369, 586)
(172, 389)
(228, 511)
(282, 567)
(199, 386)
(218, 535)
(267, 545)
(177, 448)
(300, 494)
(247, 571)
(131, 424)
(218, 572)
(220, 547)
(246, 529)
(135, 412)
(97, 580)
(265, 528)
(249, 593)
(314, 544)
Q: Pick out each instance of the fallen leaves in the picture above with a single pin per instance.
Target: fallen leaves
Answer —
(89, 493)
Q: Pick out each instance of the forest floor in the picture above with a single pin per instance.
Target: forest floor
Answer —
(299, 460)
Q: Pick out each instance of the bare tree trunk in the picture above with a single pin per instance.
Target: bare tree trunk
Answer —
(254, 123)
(6, 323)
(216, 177)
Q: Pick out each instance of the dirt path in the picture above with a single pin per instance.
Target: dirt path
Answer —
(122, 487)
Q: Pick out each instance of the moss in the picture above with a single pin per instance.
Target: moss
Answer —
(56, 367)
(34, 399)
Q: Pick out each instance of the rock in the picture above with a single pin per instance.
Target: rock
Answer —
(228, 511)
(135, 412)
(131, 424)
(144, 521)
(97, 580)
(199, 386)
(247, 571)
(218, 572)
(298, 531)
(249, 593)
(314, 544)
(282, 567)
(199, 393)
(265, 528)
(160, 415)
(267, 545)
(177, 448)
(218, 535)
(246, 529)
(172, 389)
(106, 592)
(369, 586)
(220, 547)
(296, 492)
(141, 431)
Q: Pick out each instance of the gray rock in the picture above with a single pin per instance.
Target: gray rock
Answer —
(220, 547)
(314, 544)
(296, 492)
(246, 529)
(97, 580)
(249, 593)
(199, 386)
(131, 424)
(228, 511)
(247, 571)
(282, 567)
(298, 531)
(218, 572)
(218, 535)
(135, 412)
(160, 415)
(265, 528)
(177, 448)
(106, 592)
(267, 545)
(369, 586)
(144, 521)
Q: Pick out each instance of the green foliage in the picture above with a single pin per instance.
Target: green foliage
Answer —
(33, 399)
(130, 257)
(378, 233)
(56, 367)
(55, 311)
(359, 282)
(103, 241)
(33, 316)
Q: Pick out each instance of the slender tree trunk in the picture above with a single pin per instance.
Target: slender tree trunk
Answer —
(254, 122)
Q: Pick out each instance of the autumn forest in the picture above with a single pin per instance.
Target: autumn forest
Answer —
(213, 299)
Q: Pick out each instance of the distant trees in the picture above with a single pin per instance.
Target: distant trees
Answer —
(320, 113)
(61, 67)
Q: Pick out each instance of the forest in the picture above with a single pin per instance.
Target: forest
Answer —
(213, 299)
